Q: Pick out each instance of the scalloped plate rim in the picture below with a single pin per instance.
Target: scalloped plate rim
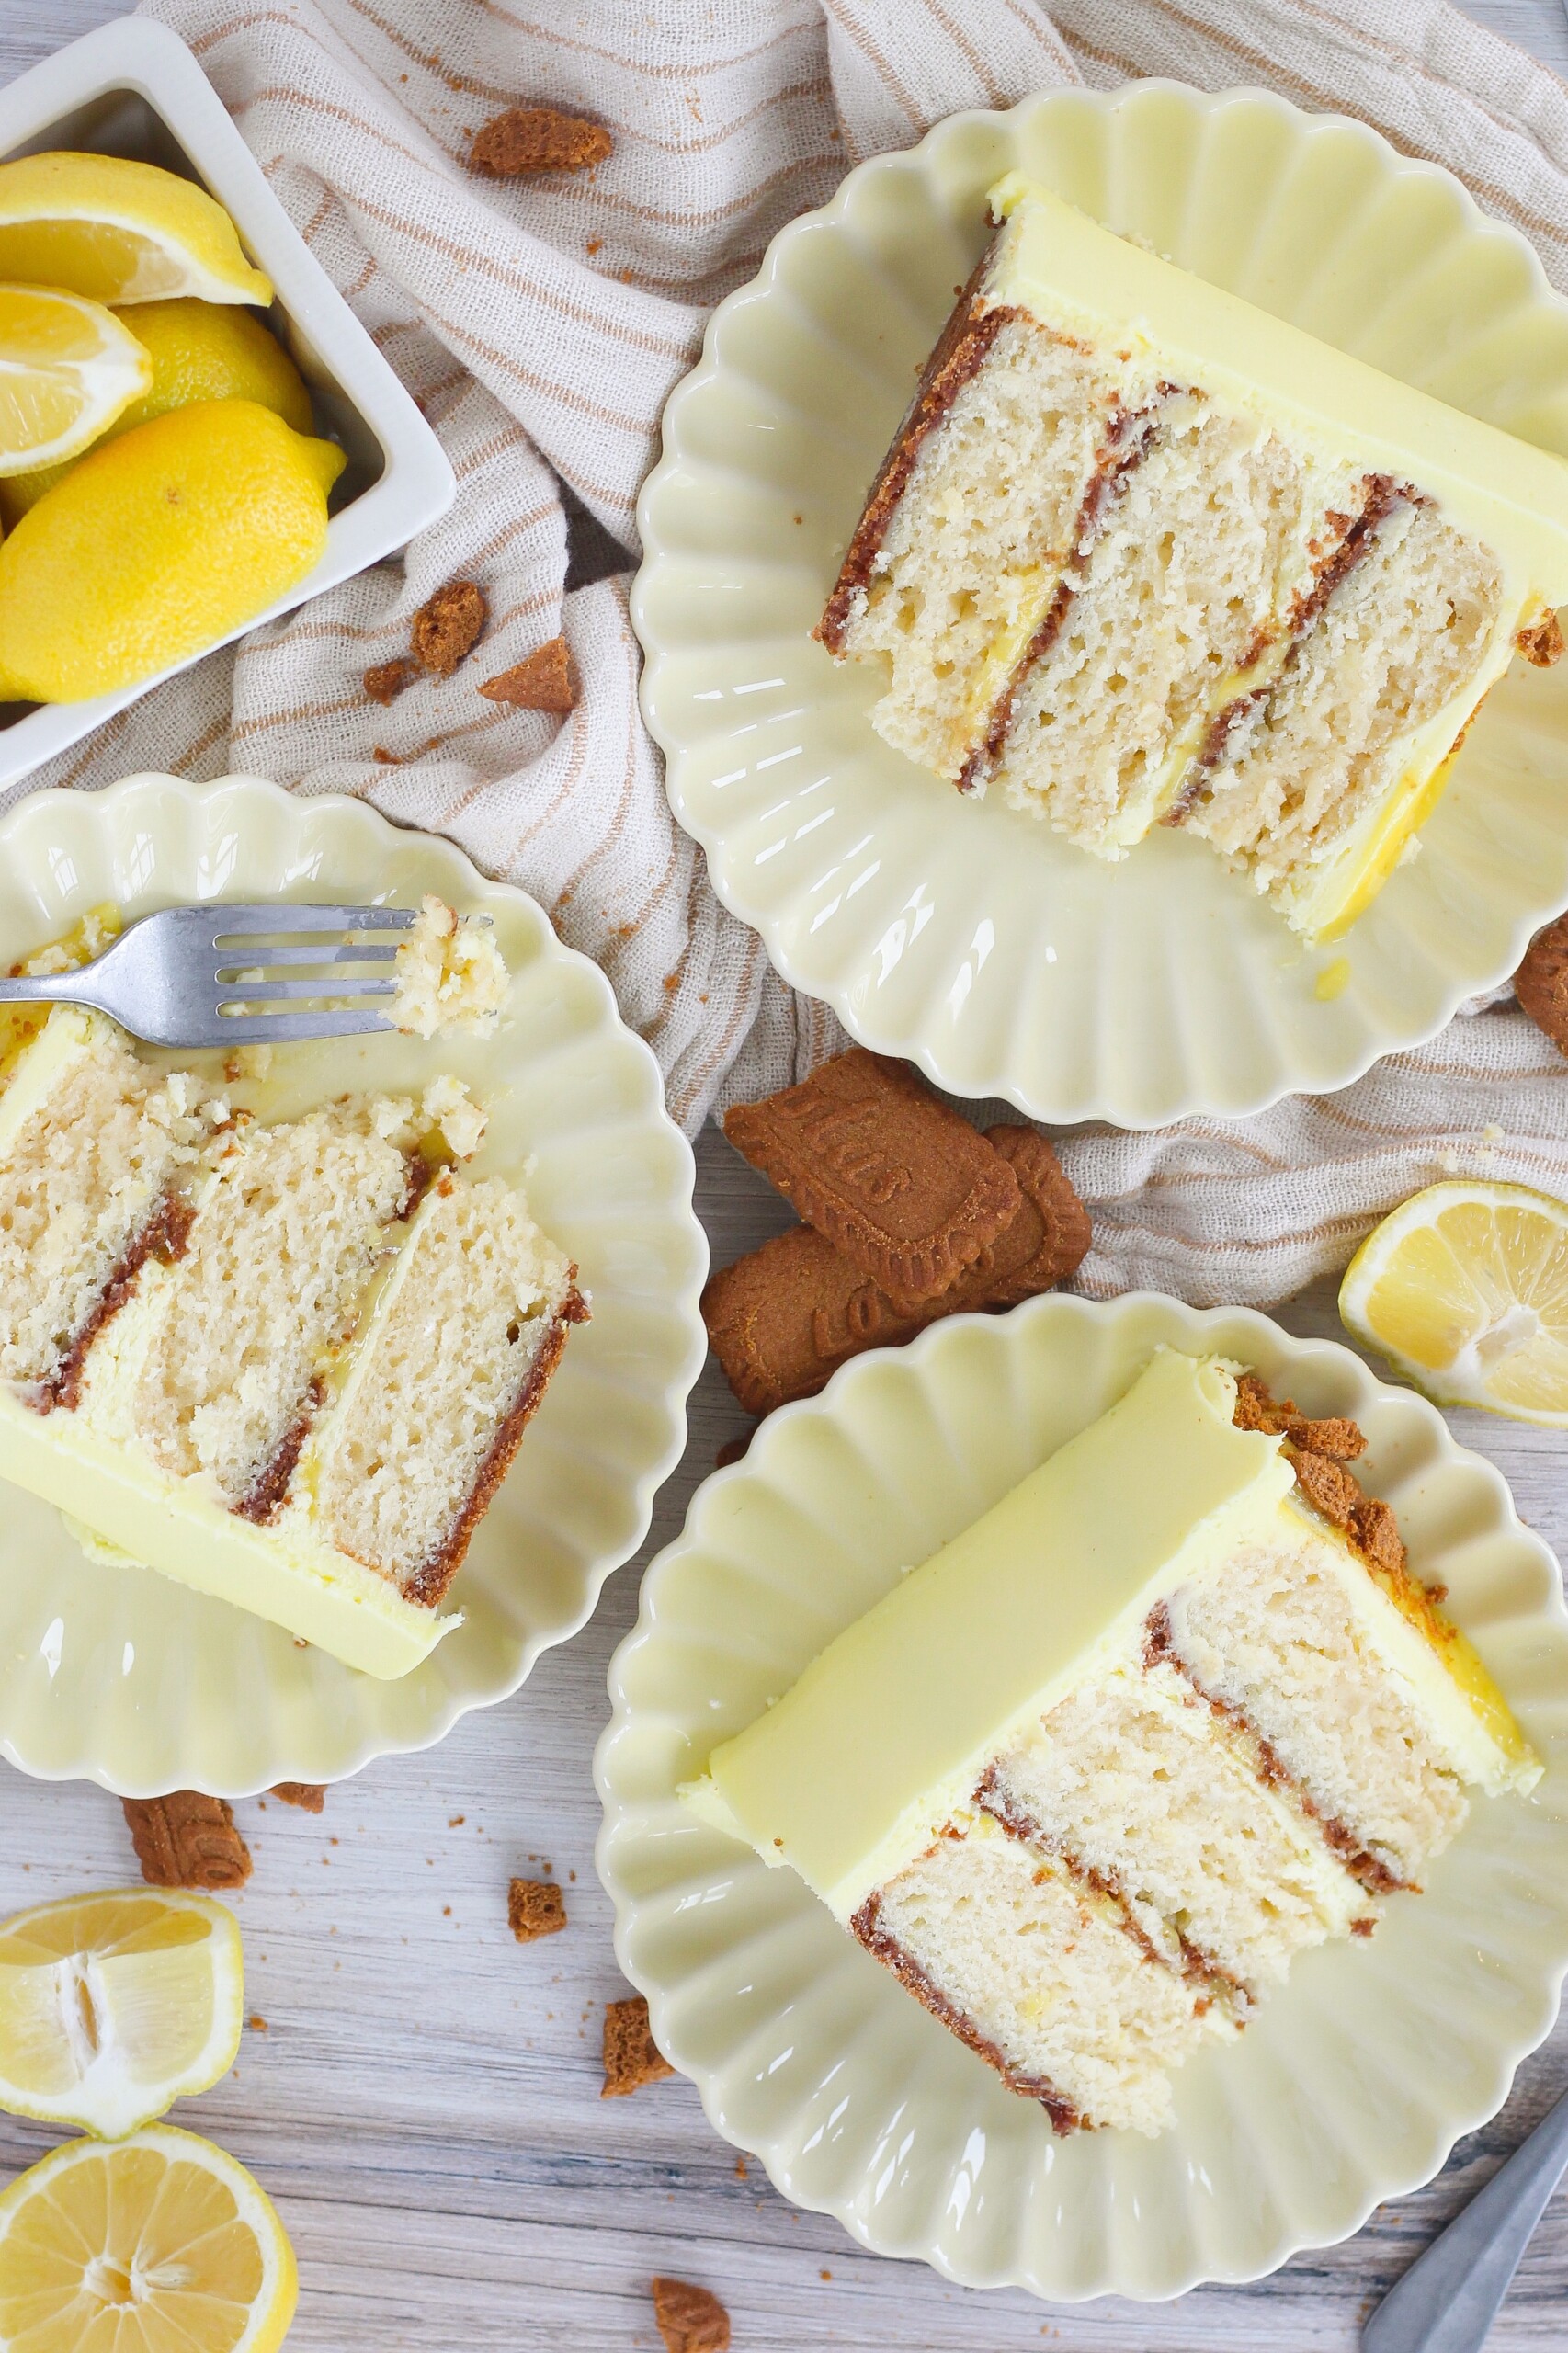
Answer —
(725, 878)
(645, 1489)
(708, 2080)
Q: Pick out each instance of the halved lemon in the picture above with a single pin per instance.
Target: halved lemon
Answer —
(112, 2006)
(1464, 1290)
(68, 368)
(119, 231)
(159, 2244)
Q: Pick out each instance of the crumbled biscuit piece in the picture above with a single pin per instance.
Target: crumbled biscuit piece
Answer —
(633, 2057)
(1541, 981)
(538, 139)
(1377, 1532)
(309, 1796)
(1255, 1409)
(388, 679)
(447, 624)
(186, 1839)
(691, 2320)
(1329, 1489)
(1542, 642)
(544, 682)
(535, 1907)
(733, 1450)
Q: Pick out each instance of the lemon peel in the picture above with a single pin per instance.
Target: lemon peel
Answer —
(68, 369)
(197, 351)
(1464, 1290)
(114, 2004)
(160, 2240)
(119, 231)
(157, 545)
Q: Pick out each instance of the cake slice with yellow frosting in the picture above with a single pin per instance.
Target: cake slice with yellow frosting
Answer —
(1141, 554)
(1173, 1710)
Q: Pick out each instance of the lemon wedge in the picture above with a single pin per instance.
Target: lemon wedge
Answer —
(197, 351)
(157, 544)
(119, 231)
(112, 2006)
(68, 368)
(1464, 1290)
(157, 2245)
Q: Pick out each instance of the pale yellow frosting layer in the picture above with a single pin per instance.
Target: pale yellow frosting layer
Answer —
(856, 1767)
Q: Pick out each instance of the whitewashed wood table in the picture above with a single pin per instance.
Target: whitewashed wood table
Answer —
(423, 2102)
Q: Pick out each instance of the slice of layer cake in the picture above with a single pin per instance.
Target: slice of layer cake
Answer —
(1141, 554)
(1173, 1710)
(287, 1364)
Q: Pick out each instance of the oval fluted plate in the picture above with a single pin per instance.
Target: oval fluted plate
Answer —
(127, 1678)
(1355, 2078)
(966, 935)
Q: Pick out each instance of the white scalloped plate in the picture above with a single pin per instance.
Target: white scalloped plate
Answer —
(1354, 2079)
(959, 933)
(124, 1678)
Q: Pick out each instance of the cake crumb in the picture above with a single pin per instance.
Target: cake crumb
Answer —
(448, 625)
(451, 976)
(387, 680)
(631, 2056)
(451, 1110)
(545, 681)
(691, 2320)
(538, 139)
(186, 1839)
(309, 1796)
(535, 1907)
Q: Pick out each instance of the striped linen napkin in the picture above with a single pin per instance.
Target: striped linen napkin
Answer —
(541, 324)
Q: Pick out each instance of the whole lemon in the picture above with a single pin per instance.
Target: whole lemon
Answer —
(200, 351)
(155, 545)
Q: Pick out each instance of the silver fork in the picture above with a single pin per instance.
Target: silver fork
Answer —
(196, 976)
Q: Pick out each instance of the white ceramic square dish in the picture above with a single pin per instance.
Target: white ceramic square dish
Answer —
(961, 934)
(133, 88)
(122, 1676)
(1355, 2078)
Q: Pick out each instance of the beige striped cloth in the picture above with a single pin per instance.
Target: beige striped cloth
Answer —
(541, 324)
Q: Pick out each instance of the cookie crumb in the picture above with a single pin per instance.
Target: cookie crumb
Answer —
(1542, 642)
(631, 2056)
(544, 682)
(691, 2320)
(257, 2023)
(447, 626)
(309, 1796)
(535, 1907)
(538, 139)
(388, 679)
(733, 1450)
(186, 1839)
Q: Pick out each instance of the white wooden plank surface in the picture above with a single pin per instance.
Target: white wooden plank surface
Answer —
(424, 2101)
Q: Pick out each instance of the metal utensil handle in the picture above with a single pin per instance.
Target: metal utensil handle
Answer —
(1448, 2299)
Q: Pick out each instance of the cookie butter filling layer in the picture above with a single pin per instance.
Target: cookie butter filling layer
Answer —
(1173, 1710)
(1141, 552)
(285, 1364)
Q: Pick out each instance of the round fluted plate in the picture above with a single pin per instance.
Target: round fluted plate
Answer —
(961, 934)
(124, 1678)
(1355, 2078)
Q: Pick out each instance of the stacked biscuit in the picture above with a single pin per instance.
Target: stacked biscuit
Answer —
(911, 1214)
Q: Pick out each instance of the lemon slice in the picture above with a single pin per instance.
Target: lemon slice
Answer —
(159, 2244)
(112, 2006)
(68, 368)
(1464, 1288)
(119, 231)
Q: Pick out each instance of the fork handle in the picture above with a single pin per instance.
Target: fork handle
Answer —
(48, 988)
(1448, 2299)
